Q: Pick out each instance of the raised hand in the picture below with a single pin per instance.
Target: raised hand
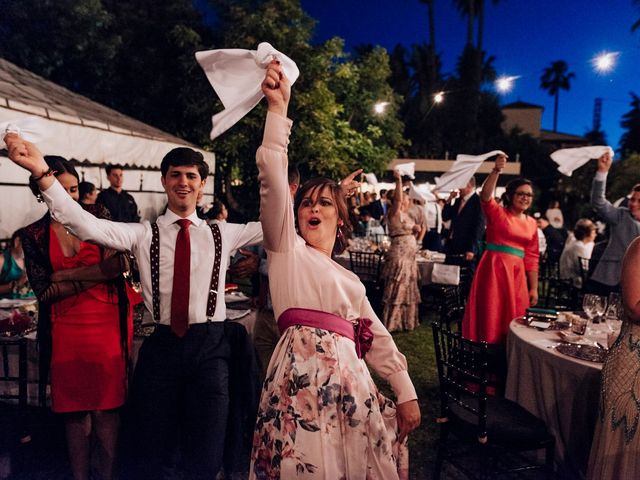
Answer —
(500, 162)
(25, 154)
(277, 88)
(349, 185)
(604, 162)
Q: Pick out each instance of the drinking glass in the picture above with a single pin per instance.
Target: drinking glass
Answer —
(614, 307)
(594, 306)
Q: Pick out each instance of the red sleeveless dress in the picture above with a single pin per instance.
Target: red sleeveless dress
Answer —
(88, 364)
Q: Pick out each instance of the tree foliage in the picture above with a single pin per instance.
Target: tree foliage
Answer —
(630, 140)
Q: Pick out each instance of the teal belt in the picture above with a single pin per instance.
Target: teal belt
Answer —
(496, 247)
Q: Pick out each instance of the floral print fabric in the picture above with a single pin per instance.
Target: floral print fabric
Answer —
(322, 417)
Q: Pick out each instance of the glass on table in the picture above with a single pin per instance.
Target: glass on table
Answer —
(579, 324)
(594, 306)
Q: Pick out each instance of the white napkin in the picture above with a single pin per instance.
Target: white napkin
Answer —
(407, 169)
(570, 159)
(422, 196)
(371, 178)
(31, 129)
(462, 170)
(236, 75)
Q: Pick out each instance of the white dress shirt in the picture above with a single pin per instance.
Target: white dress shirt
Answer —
(136, 238)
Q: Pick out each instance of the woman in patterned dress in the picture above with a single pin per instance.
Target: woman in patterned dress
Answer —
(401, 294)
(320, 414)
(616, 442)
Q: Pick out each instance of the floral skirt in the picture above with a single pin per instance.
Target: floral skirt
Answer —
(401, 293)
(321, 415)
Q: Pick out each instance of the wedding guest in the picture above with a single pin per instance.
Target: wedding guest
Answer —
(180, 390)
(13, 276)
(553, 238)
(624, 226)
(320, 414)
(616, 441)
(554, 215)
(506, 280)
(119, 202)
(84, 328)
(401, 295)
(88, 193)
(580, 245)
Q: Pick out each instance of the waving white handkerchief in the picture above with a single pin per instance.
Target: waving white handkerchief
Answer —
(570, 159)
(462, 170)
(236, 76)
(31, 129)
(407, 169)
(421, 195)
(371, 178)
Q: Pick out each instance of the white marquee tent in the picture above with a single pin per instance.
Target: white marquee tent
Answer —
(80, 129)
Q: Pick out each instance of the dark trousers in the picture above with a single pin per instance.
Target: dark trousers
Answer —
(180, 397)
(432, 241)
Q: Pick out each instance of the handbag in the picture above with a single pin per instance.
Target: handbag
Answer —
(445, 274)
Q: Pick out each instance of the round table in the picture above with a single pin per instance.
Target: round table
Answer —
(561, 390)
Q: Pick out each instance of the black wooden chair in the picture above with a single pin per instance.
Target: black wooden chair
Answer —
(493, 430)
(368, 266)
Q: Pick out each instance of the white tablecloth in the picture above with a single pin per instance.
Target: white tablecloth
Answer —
(561, 390)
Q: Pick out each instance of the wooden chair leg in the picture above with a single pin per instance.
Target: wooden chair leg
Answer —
(549, 457)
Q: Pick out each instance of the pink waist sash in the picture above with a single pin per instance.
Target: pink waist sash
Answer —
(360, 332)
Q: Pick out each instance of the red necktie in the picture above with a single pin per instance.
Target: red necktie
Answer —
(181, 276)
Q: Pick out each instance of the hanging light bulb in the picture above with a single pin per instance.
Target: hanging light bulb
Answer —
(605, 62)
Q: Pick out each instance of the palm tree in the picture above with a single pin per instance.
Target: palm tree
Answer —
(636, 24)
(468, 9)
(480, 9)
(555, 78)
(432, 23)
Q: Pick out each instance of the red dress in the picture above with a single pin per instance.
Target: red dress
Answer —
(499, 292)
(87, 363)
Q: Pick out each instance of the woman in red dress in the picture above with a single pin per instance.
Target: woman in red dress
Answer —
(506, 280)
(84, 330)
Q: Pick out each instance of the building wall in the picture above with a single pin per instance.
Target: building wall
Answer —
(526, 119)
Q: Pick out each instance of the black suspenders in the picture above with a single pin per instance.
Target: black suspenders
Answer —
(154, 251)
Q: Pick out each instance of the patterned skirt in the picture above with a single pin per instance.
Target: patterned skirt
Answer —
(401, 293)
(321, 415)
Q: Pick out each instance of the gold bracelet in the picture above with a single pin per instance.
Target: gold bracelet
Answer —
(46, 173)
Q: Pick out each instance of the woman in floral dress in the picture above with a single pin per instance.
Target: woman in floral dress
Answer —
(616, 442)
(320, 415)
(401, 293)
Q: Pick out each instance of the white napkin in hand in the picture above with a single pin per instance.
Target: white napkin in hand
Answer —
(462, 170)
(236, 75)
(371, 178)
(423, 197)
(407, 169)
(570, 159)
(31, 129)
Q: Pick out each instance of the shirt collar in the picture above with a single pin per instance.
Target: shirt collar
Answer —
(169, 217)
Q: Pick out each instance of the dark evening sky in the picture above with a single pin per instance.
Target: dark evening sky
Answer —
(524, 36)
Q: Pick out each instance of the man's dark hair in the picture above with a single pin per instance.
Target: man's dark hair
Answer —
(59, 165)
(183, 156)
(110, 167)
(293, 175)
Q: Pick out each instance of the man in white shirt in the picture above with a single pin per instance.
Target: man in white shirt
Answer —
(579, 247)
(180, 389)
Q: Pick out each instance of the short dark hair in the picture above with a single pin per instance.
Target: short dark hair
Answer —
(317, 185)
(85, 188)
(183, 156)
(293, 174)
(216, 208)
(59, 165)
(110, 167)
(583, 228)
(510, 189)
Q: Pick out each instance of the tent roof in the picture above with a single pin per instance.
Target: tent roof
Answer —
(25, 93)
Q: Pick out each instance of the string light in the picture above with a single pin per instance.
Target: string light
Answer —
(380, 107)
(438, 97)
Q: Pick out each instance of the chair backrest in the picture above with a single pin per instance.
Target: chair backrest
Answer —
(462, 371)
(367, 265)
(584, 269)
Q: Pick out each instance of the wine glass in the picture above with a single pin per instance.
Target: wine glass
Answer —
(588, 305)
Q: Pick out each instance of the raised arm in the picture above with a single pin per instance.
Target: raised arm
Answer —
(276, 212)
(601, 205)
(489, 185)
(118, 236)
(397, 195)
